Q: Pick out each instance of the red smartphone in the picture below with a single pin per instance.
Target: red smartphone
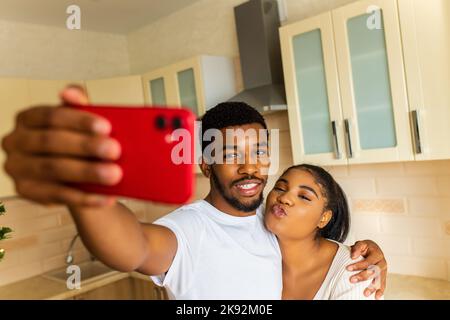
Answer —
(151, 153)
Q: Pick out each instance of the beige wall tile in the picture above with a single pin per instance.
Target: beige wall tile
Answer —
(406, 186)
(391, 245)
(380, 206)
(443, 185)
(431, 168)
(19, 243)
(410, 226)
(430, 247)
(422, 267)
(31, 226)
(376, 170)
(338, 171)
(428, 206)
(40, 253)
(365, 224)
(447, 227)
(20, 272)
(11, 259)
(58, 234)
(448, 270)
(353, 187)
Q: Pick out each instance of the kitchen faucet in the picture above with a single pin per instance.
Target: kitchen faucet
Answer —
(69, 255)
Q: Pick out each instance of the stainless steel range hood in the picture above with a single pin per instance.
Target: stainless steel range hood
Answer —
(257, 24)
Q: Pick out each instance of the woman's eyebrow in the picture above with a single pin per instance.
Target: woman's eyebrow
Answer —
(309, 189)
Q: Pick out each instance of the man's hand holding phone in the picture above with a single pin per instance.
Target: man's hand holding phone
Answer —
(52, 146)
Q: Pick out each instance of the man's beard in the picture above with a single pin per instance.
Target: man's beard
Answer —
(235, 203)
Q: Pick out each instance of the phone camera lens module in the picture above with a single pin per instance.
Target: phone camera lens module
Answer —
(176, 123)
(160, 122)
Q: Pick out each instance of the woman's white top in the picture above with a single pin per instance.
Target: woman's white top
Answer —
(337, 285)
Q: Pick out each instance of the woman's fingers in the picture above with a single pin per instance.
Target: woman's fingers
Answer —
(358, 266)
(358, 249)
(362, 276)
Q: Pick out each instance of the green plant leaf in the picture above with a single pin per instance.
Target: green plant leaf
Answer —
(2, 209)
(4, 231)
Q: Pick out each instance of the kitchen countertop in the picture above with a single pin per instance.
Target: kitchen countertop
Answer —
(42, 288)
(400, 287)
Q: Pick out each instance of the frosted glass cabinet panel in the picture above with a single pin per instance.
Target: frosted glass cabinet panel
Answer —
(158, 91)
(198, 83)
(187, 90)
(313, 91)
(372, 83)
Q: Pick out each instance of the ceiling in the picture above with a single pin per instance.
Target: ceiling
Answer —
(113, 16)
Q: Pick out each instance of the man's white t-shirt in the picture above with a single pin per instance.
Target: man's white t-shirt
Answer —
(220, 256)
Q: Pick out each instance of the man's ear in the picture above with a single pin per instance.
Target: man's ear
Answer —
(326, 217)
(206, 169)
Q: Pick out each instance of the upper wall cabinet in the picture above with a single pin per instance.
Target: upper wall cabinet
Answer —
(372, 82)
(120, 91)
(312, 88)
(345, 85)
(198, 83)
(426, 40)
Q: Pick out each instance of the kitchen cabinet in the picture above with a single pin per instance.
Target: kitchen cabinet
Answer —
(121, 91)
(130, 288)
(147, 290)
(119, 290)
(345, 86)
(198, 83)
(425, 27)
(312, 90)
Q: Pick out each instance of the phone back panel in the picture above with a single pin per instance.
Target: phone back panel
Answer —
(149, 170)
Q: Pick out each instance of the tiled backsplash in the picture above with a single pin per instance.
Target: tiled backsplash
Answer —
(404, 207)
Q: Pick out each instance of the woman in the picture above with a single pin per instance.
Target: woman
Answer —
(308, 212)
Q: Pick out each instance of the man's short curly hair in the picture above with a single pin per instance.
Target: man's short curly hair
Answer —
(229, 114)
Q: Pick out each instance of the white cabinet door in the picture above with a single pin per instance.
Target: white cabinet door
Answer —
(121, 91)
(13, 98)
(425, 27)
(159, 88)
(312, 89)
(372, 82)
(188, 78)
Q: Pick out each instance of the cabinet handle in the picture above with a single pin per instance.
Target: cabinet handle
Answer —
(337, 151)
(416, 131)
(349, 138)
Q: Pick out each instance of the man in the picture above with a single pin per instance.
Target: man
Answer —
(216, 248)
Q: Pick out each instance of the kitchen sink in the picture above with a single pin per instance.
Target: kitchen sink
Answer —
(89, 271)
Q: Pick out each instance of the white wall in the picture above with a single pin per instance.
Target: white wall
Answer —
(206, 27)
(41, 52)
